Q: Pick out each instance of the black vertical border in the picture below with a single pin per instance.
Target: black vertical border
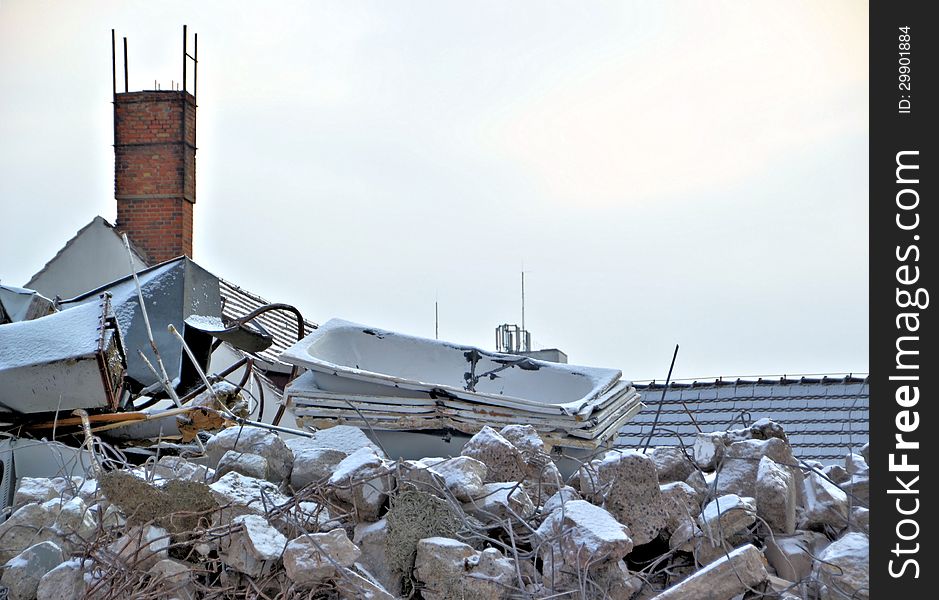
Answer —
(892, 132)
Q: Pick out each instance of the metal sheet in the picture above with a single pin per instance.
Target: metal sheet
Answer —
(67, 360)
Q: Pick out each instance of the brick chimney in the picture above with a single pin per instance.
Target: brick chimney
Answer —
(155, 170)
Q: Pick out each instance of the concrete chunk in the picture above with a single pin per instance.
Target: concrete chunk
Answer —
(844, 568)
(254, 546)
(311, 465)
(239, 495)
(174, 579)
(825, 504)
(34, 489)
(314, 557)
(727, 515)
(65, 582)
(776, 496)
(452, 570)
(344, 438)
(723, 579)
(671, 464)
(462, 475)
(741, 462)
(362, 481)
(793, 555)
(249, 465)
(500, 501)
(21, 574)
(253, 440)
(627, 485)
(372, 540)
(503, 460)
(141, 547)
(581, 533)
(681, 504)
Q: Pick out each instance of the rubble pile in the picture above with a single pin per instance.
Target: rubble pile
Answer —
(736, 516)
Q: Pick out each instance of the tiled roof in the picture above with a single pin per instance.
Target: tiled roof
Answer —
(825, 418)
(282, 325)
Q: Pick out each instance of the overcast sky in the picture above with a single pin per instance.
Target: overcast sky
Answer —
(667, 172)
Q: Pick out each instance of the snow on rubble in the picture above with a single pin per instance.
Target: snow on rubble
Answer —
(357, 524)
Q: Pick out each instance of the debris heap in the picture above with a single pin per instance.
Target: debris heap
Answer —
(736, 516)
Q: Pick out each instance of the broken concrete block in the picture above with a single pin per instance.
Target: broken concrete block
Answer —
(362, 481)
(723, 579)
(499, 502)
(861, 519)
(503, 460)
(581, 533)
(360, 586)
(313, 557)
(311, 465)
(562, 496)
(683, 535)
(681, 504)
(525, 438)
(836, 473)
(452, 570)
(855, 464)
(178, 468)
(345, 438)
(65, 582)
(700, 485)
(34, 489)
(825, 504)
(30, 524)
(54, 520)
(708, 450)
(249, 465)
(793, 555)
(173, 579)
(741, 462)
(141, 547)
(72, 517)
(252, 440)
(859, 490)
(21, 574)
(843, 568)
(776, 496)
(627, 484)
(671, 464)
(239, 495)
(253, 546)
(866, 452)
(727, 515)
(372, 540)
(462, 475)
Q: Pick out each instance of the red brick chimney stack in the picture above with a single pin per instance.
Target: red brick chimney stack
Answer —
(155, 170)
(155, 163)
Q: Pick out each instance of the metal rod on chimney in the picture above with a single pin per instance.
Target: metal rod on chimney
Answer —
(195, 67)
(113, 65)
(125, 65)
(185, 60)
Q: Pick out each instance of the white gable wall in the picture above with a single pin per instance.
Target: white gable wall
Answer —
(95, 256)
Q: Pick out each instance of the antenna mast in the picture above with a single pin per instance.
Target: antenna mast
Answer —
(523, 299)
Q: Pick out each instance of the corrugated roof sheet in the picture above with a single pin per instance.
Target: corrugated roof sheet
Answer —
(282, 325)
(825, 418)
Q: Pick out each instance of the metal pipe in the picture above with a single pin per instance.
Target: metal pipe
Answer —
(195, 68)
(113, 65)
(125, 65)
(661, 400)
(184, 57)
